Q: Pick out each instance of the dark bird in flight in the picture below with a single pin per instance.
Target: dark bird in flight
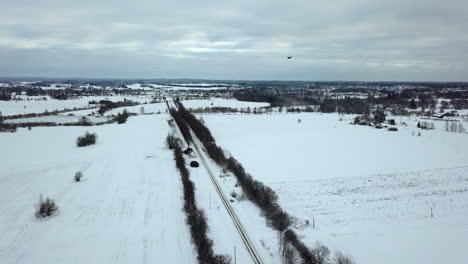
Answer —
(289, 57)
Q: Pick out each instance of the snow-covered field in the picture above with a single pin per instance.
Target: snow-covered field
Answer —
(369, 191)
(59, 119)
(39, 106)
(219, 102)
(127, 209)
(162, 108)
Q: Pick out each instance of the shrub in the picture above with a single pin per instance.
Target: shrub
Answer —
(291, 238)
(86, 140)
(340, 258)
(379, 116)
(172, 141)
(122, 117)
(321, 253)
(357, 120)
(7, 127)
(426, 125)
(78, 176)
(45, 208)
(288, 254)
(106, 105)
(84, 121)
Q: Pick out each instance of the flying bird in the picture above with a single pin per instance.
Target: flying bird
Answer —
(289, 57)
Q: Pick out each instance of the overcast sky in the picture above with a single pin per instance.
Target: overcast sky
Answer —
(407, 40)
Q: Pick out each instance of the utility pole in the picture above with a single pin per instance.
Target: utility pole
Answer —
(235, 258)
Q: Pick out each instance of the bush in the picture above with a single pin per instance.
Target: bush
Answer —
(45, 208)
(172, 141)
(291, 238)
(106, 105)
(426, 125)
(78, 176)
(342, 259)
(321, 253)
(86, 140)
(122, 117)
(7, 127)
(84, 121)
(379, 116)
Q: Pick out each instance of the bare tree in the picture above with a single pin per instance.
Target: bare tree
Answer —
(288, 254)
(78, 176)
(453, 127)
(461, 129)
(321, 253)
(340, 258)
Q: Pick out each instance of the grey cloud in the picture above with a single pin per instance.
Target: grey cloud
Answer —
(340, 39)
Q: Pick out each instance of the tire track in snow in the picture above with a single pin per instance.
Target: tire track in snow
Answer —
(16, 243)
(148, 212)
(146, 223)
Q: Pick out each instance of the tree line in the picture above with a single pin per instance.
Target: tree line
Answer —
(106, 105)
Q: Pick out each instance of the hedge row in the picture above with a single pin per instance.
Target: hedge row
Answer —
(305, 253)
(182, 125)
(261, 195)
(7, 127)
(36, 124)
(106, 105)
(196, 218)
